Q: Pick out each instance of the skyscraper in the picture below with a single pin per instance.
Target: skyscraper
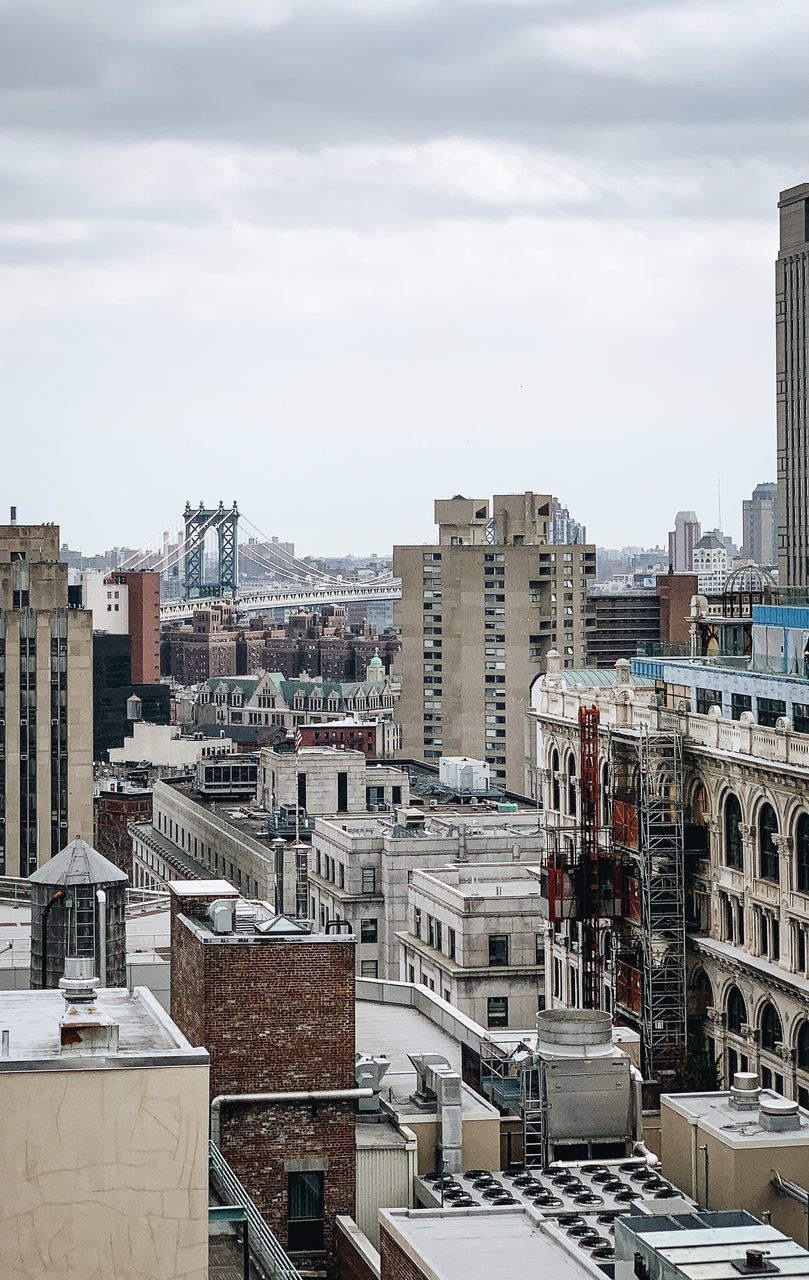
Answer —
(682, 540)
(480, 610)
(46, 703)
(791, 391)
(759, 526)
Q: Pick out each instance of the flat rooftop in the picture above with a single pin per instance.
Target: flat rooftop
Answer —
(734, 1127)
(146, 1035)
(476, 1244)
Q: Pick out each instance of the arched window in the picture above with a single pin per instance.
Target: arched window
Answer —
(733, 833)
(803, 1046)
(571, 785)
(555, 796)
(702, 994)
(736, 1010)
(767, 852)
(771, 1031)
(605, 794)
(802, 853)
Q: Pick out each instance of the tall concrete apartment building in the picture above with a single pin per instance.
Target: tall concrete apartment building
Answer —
(46, 703)
(760, 526)
(792, 393)
(480, 609)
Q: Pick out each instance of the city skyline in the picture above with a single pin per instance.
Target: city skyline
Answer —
(490, 239)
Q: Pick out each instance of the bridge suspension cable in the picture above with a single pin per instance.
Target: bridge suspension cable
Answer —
(304, 569)
(199, 533)
(137, 558)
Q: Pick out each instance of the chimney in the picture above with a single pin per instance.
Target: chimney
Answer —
(13, 515)
(84, 1029)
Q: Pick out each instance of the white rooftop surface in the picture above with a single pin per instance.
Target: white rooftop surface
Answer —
(32, 1018)
(397, 1030)
(146, 932)
(474, 1244)
(203, 888)
(738, 1128)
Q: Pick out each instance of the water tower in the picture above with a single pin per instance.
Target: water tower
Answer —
(78, 903)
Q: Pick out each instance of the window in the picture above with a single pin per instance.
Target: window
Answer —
(800, 717)
(417, 921)
(497, 1011)
(707, 698)
(451, 943)
(305, 1212)
(803, 1046)
(498, 948)
(368, 931)
(736, 1010)
(740, 702)
(802, 853)
(733, 833)
(369, 969)
(771, 1032)
(571, 786)
(369, 880)
(768, 854)
(539, 944)
(770, 710)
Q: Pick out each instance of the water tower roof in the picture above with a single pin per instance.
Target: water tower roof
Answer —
(78, 863)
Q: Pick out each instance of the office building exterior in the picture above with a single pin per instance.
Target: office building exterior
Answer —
(46, 704)
(480, 609)
(791, 388)
(682, 540)
(760, 526)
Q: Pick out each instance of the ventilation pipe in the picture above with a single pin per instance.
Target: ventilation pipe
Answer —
(310, 1096)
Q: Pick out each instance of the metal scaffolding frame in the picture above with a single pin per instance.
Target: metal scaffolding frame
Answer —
(661, 832)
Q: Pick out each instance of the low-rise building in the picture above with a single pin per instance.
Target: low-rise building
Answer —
(475, 934)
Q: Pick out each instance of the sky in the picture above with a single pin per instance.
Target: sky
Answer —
(337, 258)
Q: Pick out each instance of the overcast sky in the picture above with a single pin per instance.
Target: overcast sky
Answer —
(335, 258)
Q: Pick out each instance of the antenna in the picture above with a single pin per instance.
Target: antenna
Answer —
(719, 495)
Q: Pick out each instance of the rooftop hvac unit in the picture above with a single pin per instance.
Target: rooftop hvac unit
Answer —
(244, 917)
(220, 914)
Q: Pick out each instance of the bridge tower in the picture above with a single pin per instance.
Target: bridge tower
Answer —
(199, 522)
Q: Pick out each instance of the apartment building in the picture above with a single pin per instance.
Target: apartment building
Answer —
(743, 738)
(360, 869)
(46, 703)
(475, 935)
(480, 609)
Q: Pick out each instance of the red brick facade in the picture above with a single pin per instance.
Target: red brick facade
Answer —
(395, 1263)
(350, 1263)
(274, 1015)
(113, 811)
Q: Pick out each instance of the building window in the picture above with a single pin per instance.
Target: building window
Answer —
(733, 833)
(803, 1047)
(369, 880)
(539, 953)
(802, 853)
(707, 698)
(768, 854)
(736, 1010)
(498, 948)
(740, 702)
(305, 1212)
(451, 943)
(417, 921)
(771, 1032)
(770, 710)
(368, 930)
(800, 717)
(369, 969)
(497, 1011)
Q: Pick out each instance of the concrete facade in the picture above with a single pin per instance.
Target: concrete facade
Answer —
(480, 609)
(475, 935)
(791, 393)
(105, 1157)
(360, 869)
(327, 780)
(46, 703)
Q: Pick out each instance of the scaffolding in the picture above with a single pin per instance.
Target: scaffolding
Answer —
(662, 893)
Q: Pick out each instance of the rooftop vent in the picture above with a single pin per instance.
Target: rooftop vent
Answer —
(745, 1091)
(779, 1115)
(220, 914)
(369, 1071)
(84, 1029)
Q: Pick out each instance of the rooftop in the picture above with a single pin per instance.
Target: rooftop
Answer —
(736, 1128)
(472, 1244)
(146, 1036)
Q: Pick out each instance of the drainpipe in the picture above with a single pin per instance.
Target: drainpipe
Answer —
(704, 1150)
(46, 910)
(694, 1175)
(304, 1096)
(101, 898)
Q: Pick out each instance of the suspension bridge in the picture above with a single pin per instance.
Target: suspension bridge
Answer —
(200, 557)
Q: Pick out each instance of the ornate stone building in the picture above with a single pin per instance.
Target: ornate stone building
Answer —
(745, 797)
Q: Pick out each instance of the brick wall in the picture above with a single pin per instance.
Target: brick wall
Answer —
(350, 1262)
(395, 1263)
(274, 1015)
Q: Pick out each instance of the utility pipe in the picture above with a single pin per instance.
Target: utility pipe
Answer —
(101, 898)
(303, 1096)
(641, 1149)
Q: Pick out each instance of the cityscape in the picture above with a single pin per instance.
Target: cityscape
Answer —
(426, 908)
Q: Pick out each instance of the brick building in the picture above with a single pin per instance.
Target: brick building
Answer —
(144, 622)
(206, 648)
(114, 810)
(274, 1006)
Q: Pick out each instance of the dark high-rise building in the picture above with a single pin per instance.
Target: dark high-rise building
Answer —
(792, 392)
